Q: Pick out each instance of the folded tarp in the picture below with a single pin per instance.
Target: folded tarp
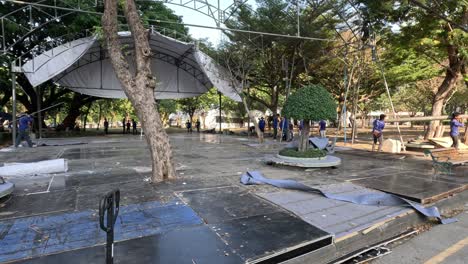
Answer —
(320, 143)
(5, 187)
(34, 168)
(379, 199)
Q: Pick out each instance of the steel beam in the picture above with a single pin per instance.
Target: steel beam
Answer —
(421, 118)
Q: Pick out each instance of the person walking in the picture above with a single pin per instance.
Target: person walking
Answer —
(123, 124)
(134, 125)
(128, 126)
(275, 126)
(197, 125)
(25, 122)
(323, 128)
(377, 131)
(188, 124)
(261, 124)
(106, 126)
(455, 123)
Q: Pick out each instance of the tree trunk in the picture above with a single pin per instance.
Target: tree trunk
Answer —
(445, 90)
(69, 120)
(139, 88)
(203, 117)
(99, 116)
(437, 108)
(75, 109)
(85, 118)
(304, 140)
(252, 117)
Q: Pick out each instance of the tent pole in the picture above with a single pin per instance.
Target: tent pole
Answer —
(39, 115)
(248, 114)
(13, 87)
(220, 117)
(391, 102)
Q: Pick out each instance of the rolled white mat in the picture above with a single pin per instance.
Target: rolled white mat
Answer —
(34, 168)
(6, 188)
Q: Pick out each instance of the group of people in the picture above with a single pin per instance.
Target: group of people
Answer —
(286, 127)
(125, 126)
(278, 124)
(188, 124)
(379, 125)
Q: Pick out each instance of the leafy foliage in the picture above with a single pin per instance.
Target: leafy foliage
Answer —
(309, 153)
(270, 64)
(312, 102)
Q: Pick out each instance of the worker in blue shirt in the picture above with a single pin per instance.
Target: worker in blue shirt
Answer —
(275, 126)
(323, 128)
(455, 123)
(261, 124)
(25, 122)
(379, 125)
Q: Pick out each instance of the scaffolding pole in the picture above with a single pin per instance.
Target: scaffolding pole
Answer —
(39, 114)
(13, 88)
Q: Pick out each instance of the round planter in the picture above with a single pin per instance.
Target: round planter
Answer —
(298, 159)
(327, 161)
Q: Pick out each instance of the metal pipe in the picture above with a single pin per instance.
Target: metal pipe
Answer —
(220, 116)
(3, 36)
(42, 110)
(298, 20)
(13, 87)
(390, 99)
(178, 23)
(422, 118)
(39, 115)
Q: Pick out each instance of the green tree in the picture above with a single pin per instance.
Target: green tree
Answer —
(165, 108)
(272, 65)
(434, 29)
(189, 106)
(310, 103)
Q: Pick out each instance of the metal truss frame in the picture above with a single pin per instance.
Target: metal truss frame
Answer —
(54, 10)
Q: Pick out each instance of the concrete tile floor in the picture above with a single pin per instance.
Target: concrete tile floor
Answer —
(203, 161)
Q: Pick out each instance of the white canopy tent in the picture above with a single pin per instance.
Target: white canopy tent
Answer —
(82, 65)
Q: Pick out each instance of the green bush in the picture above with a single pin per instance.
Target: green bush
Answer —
(312, 103)
(310, 153)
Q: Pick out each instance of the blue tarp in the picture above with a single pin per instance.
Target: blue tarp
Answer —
(382, 199)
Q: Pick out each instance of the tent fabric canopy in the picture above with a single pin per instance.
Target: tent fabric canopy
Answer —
(82, 65)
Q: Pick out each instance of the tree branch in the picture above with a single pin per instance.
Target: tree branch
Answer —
(140, 36)
(430, 11)
(110, 22)
(263, 102)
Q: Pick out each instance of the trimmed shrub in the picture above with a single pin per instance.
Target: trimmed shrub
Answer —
(310, 153)
(310, 103)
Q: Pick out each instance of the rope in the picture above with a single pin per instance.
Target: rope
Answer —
(390, 99)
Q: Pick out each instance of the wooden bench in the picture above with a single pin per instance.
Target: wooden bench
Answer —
(444, 159)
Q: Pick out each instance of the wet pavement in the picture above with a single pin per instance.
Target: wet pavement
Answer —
(206, 213)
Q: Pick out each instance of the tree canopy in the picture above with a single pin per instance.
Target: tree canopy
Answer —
(312, 102)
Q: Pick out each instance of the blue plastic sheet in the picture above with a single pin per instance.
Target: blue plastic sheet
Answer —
(381, 198)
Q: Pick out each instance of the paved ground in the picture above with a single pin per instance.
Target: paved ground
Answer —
(441, 244)
(50, 214)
